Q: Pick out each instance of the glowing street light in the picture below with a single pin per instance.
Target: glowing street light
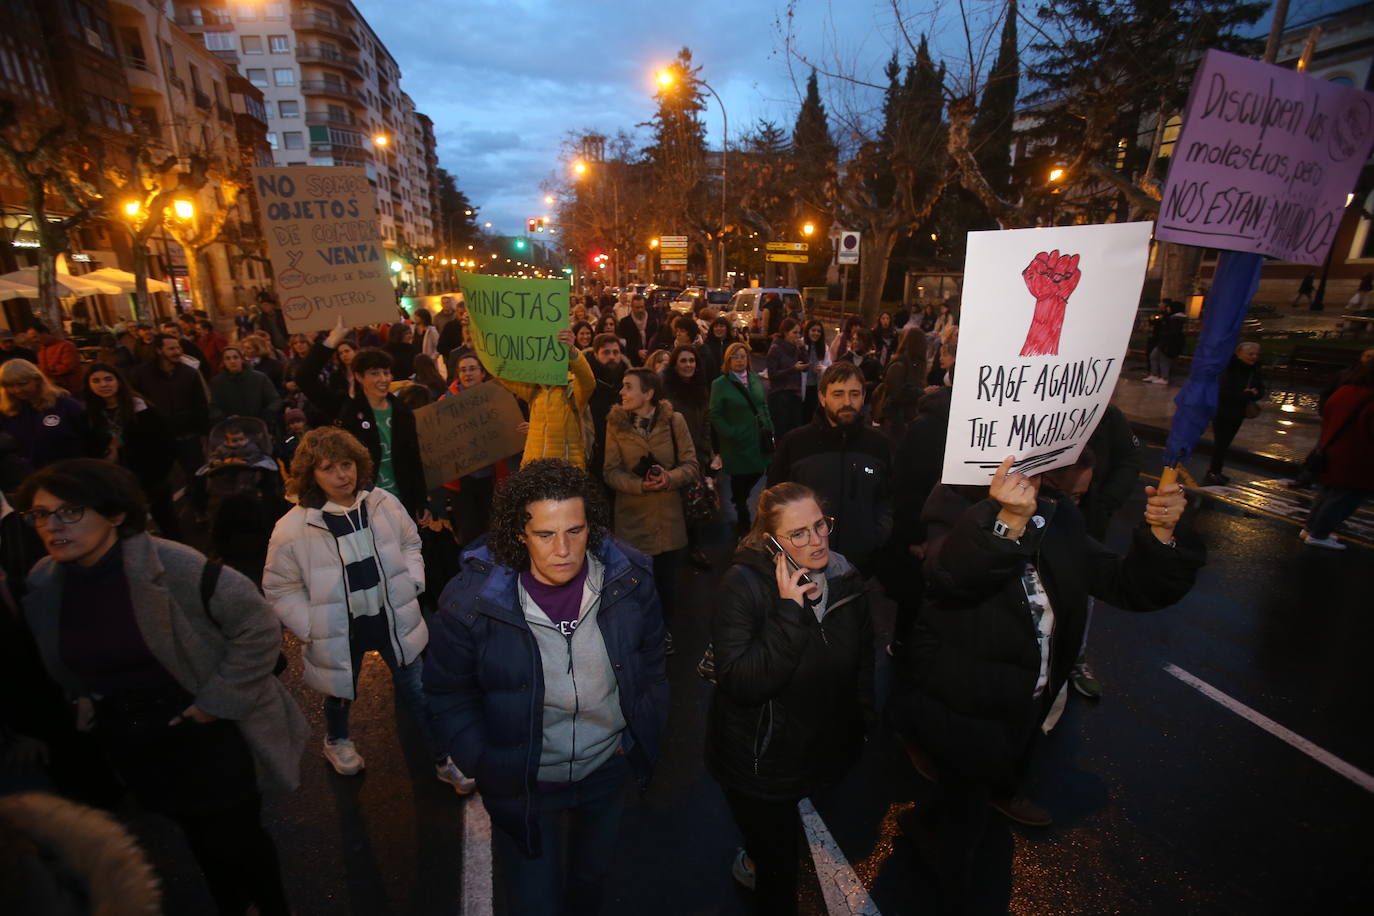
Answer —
(133, 206)
(580, 167)
(1056, 174)
(809, 229)
(653, 243)
(665, 78)
(184, 209)
(548, 198)
(380, 140)
(395, 267)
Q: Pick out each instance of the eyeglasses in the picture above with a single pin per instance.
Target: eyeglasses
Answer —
(67, 515)
(802, 536)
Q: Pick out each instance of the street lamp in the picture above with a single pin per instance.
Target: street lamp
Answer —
(666, 79)
(380, 140)
(548, 198)
(1056, 174)
(184, 209)
(653, 243)
(132, 208)
(809, 229)
(579, 168)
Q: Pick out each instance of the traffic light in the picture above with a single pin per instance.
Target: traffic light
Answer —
(520, 243)
(530, 223)
(539, 226)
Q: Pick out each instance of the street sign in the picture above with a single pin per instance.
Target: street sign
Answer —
(673, 263)
(848, 252)
(671, 241)
(674, 251)
(786, 246)
(786, 258)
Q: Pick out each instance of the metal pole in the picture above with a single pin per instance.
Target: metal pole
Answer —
(724, 177)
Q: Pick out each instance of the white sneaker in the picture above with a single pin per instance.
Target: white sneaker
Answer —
(1158, 381)
(448, 772)
(343, 756)
(1329, 542)
(742, 870)
(1149, 378)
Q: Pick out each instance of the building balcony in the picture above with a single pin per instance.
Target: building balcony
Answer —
(201, 99)
(142, 78)
(323, 25)
(229, 57)
(326, 119)
(197, 20)
(325, 56)
(343, 155)
(331, 90)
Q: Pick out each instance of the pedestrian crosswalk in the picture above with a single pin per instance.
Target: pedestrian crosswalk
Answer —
(1276, 497)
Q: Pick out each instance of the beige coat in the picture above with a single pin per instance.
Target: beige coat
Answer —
(653, 522)
(222, 655)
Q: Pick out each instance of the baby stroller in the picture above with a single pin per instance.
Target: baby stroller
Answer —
(244, 486)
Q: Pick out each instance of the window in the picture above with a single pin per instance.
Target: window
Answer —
(133, 48)
(294, 139)
(274, 11)
(219, 41)
(288, 108)
(277, 44)
(251, 44)
(272, 139)
(195, 78)
(247, 12)
(96, 30)
(284, 76)
(257, 76)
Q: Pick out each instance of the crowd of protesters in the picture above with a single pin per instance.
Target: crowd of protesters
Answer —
(525, 609)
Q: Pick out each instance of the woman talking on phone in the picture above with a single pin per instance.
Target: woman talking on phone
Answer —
(793, 647)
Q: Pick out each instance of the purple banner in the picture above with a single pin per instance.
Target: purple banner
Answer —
(1265, 160)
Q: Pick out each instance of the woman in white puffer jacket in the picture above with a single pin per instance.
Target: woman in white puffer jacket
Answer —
(344, 574)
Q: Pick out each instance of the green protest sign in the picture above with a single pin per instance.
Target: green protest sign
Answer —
(514, 326)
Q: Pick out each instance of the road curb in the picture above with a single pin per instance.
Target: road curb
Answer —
(1156, 435)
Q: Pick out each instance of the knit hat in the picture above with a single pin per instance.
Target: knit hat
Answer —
(295, 414)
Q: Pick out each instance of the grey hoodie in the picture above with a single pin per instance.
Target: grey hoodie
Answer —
(582, 720)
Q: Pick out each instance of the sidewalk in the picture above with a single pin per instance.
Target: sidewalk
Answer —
(1279, 438)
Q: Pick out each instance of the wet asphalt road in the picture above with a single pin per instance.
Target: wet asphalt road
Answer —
(1164, 800)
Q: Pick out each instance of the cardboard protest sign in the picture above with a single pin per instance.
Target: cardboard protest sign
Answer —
(1044, 323)
(1265, 160)
(468, 431)
(325, 245)
(514, 323)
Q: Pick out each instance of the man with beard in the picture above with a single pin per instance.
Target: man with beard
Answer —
(608, 366)
(847, 463)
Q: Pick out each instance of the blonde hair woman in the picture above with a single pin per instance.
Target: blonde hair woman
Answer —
(45, 423)
(793, 646)
(743, 425)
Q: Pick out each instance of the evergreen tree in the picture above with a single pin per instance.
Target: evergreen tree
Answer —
(813, 151)
(992, 131)
(457, 215)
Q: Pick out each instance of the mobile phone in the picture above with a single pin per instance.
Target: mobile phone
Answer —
(775, 548)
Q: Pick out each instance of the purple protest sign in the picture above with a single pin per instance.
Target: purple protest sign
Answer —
(1265, 160)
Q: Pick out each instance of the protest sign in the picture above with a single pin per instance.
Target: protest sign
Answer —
(1044, 323)
(325, 245)
(468, 431)
(1265, 160)
(514, 325)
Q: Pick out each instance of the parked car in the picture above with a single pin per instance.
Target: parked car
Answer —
(745, 308)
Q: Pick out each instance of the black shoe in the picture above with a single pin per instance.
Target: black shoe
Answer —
(1022, 810)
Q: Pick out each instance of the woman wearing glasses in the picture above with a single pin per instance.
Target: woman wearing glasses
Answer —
(794, 683)
(169, 660)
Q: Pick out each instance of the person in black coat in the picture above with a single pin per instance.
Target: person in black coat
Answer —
(847, 462)
(1009, 571)
(367, 415)
(1238, 395)
(794, 685)
(637, 329)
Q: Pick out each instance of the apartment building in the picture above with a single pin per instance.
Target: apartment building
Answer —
(333, 97)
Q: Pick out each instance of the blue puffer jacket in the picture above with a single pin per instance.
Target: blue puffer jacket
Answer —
(486, 684)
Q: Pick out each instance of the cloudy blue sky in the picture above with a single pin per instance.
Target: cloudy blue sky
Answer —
(507, 81)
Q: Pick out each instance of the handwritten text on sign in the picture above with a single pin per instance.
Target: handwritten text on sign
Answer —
(325, 245)
(1044, 324)
(468, 431)
(1265, 160)
(515, 322)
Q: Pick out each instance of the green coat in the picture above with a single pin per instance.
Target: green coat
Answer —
(244, 394)
(737, 432)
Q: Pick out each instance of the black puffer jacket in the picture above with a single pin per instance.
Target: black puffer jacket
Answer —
(793, 695)
(850, 468)
(974, 654)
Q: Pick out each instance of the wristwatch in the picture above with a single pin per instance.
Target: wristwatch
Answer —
(1000, 529)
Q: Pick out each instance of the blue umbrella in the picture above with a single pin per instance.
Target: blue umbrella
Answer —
(1233, 286)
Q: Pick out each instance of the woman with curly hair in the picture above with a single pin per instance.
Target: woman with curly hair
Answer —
(344, 573)
(546, 682)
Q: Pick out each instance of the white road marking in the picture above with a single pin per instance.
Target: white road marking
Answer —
(476, 859)
(844, 893)
(1325, 758)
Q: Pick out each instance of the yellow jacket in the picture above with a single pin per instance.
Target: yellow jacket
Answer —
(556, 417)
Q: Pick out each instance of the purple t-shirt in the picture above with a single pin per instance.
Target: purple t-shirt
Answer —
(561, 603)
